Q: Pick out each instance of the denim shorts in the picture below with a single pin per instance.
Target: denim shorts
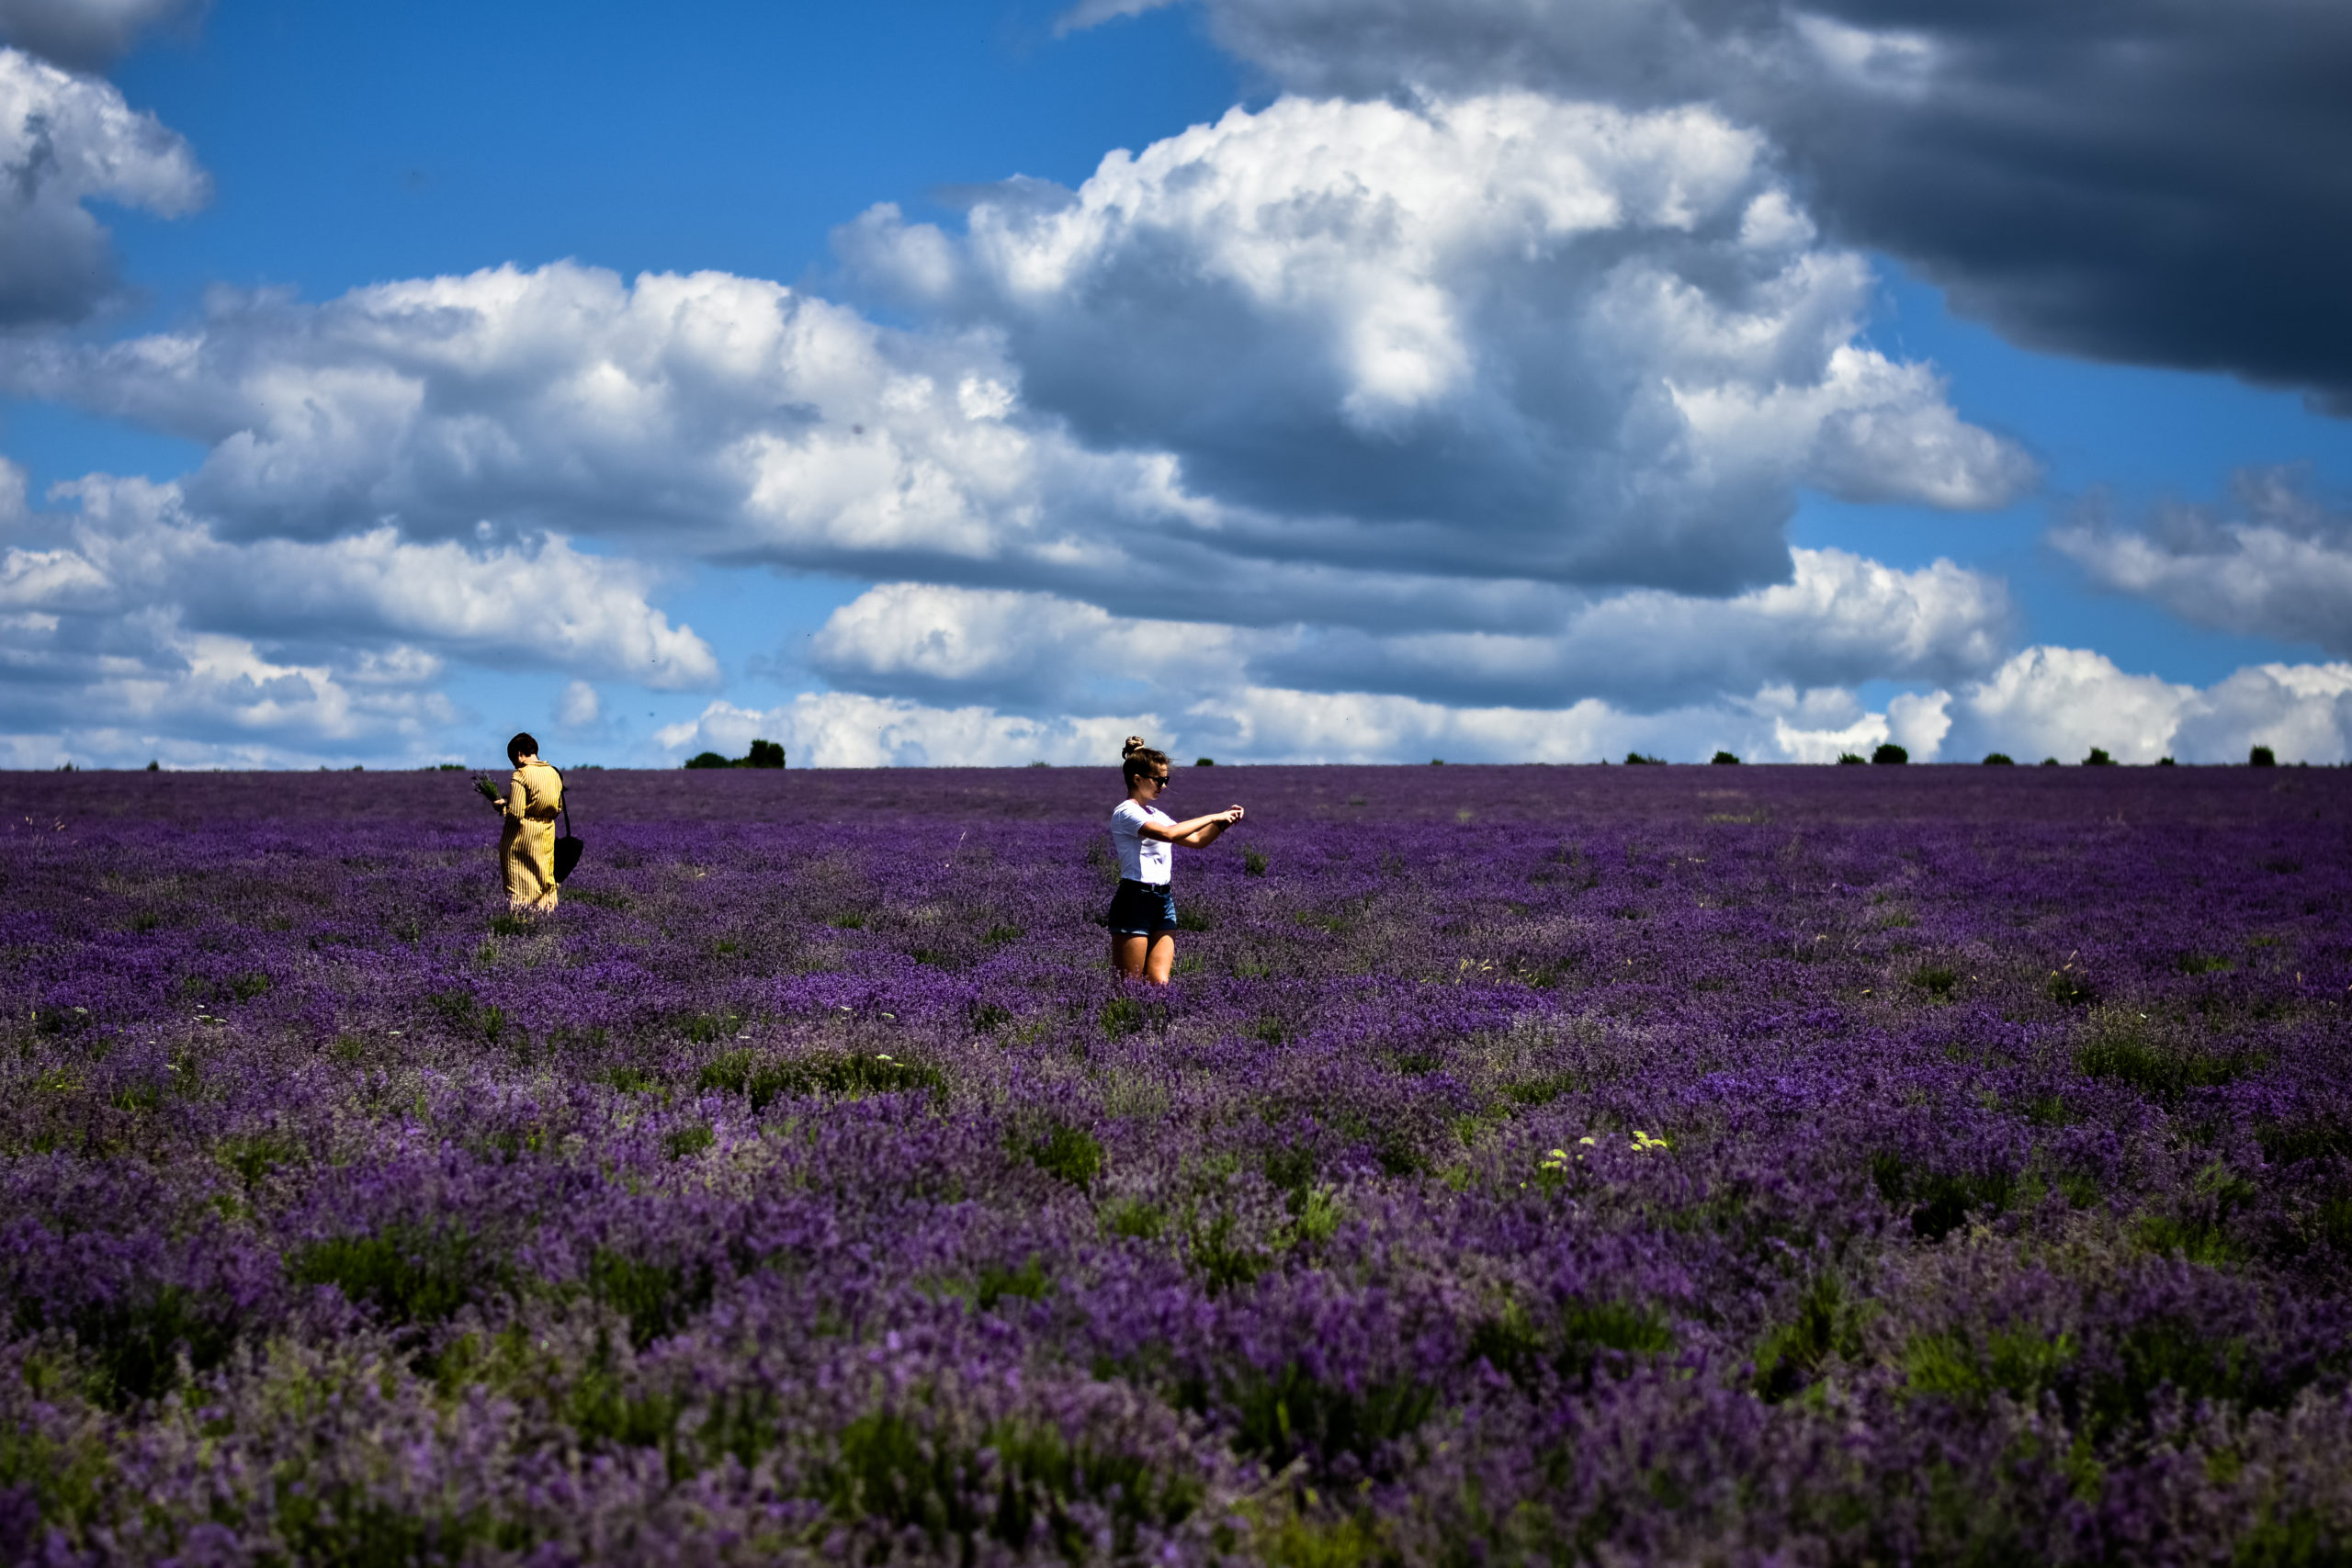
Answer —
(1142, 909)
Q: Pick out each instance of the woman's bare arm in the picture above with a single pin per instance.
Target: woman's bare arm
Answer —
(1194, 833)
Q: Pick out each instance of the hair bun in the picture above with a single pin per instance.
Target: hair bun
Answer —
(1135, 744)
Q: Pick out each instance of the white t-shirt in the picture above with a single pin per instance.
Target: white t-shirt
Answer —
(1141, 859)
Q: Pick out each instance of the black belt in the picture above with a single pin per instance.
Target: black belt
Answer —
(1154, 886)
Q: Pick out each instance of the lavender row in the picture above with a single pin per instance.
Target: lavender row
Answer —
(1550, 1164)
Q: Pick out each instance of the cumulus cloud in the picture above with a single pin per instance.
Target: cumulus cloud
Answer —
(844, 729)
(2061, 701)
(129, 620)
(133, 544)
(2160, 183)
(66, 140)
(2057, 702)
(1422, 336)
(2276, 563)
(1842, 621)
(580, 707)
(84, 35)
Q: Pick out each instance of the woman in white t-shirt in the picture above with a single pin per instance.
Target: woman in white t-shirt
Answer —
(1143, 911)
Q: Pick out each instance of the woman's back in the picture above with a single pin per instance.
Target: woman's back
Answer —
(538, 792)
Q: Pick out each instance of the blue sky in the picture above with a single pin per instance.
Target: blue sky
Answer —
(1398, 416)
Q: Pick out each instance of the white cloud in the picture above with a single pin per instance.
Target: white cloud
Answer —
(538, 602)
(66, 140)
(2278, 564)
(2061, 701)
(129, 623)
(1843, 620)
(579, 706)
(2044, 701)
(1598, 345)
(841, 729)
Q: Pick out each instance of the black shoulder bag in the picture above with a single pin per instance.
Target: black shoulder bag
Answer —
(567, 849)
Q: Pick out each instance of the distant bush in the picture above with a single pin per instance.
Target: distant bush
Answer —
(1635, 759)
(1723, 757)
(762, 754)
(1888, 751)
(2166, 762)
(2050, 761)
(2262, 757)
(1852, 759)
(1204, 761)
(153, 766)
(1437, 761)
(2098, 758)
(1999, 759)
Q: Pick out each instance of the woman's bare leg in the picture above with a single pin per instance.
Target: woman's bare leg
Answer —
(1127, 954)
(1163, 959)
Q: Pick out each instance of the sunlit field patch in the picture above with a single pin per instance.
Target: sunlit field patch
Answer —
(1553, 1163)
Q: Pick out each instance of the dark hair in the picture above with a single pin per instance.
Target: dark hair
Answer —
(1135, 759)
(524, 745)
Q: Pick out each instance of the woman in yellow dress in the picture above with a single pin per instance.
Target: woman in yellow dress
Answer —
(526, 842)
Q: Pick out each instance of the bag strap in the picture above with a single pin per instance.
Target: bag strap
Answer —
(566, 806)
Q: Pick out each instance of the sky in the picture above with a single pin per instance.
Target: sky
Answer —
(1343, 380)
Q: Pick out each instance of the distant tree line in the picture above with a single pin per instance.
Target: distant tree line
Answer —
(762, 754)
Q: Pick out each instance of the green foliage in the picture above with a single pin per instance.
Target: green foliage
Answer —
(1723, 757)
(1889, 753)
(2202, 963)
(658, 1299)
(1073, 1154)
(997, 1281)
(891, 1472)
(253, 1155)
(1999, 759)
(1280, 1415)
(1936, 980)
(2119, 1050)
(762, 754)
(1941, 1201)
(2098, 758)
(2069, 988)
(850, 1075)
(685, 1142)
(1579, 1341)
(1253, 863)
(1640, 759)
(2020, 1362)
(1792, 1354)
(1204, 761)
(1134, 1219)
(2303, 1138)
(1540, 1091)
(465, 1016)
(1123, 1015)
(405, 1274)
(133, 1347)
(1849, 759)
(2262, 757)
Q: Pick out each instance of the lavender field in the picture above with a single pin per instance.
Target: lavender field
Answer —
(1626, 1164)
